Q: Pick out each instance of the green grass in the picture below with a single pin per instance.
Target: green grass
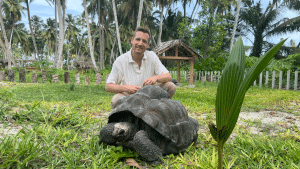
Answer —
(61, 125)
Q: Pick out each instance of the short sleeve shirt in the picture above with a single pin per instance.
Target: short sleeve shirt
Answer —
(126, 71)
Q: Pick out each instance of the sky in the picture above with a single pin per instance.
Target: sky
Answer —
(42, 9)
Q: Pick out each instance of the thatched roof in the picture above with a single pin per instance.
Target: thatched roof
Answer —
(169, 48)
(83, 65)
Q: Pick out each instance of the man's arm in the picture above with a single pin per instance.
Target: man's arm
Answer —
(114, 88)
(162, 78)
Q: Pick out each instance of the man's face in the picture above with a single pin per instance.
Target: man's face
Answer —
(140, 42)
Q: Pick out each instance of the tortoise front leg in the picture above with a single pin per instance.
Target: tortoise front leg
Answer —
(142, 144)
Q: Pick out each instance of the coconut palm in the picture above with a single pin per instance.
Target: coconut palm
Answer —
(117, 26)
(61, 35)
(266, 22)
(162, 4)
(235, 24)
(72, 33)
(12, 9)
(90, 36)
(49, 35)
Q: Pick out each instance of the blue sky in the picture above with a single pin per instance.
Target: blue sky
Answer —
(42, 9)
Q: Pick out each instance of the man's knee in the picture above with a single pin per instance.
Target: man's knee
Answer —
(170, 87)
(116, 97)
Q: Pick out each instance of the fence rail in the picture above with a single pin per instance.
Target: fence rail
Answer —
(278, 79)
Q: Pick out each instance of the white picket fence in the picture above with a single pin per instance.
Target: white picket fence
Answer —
(265, 78)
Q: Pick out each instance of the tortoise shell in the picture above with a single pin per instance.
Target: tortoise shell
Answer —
(153, 105)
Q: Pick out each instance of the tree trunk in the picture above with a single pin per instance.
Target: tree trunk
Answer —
(102, 65)
(111, 60)
(257, 45)
(101, 43)
(140, 14)
(61, 35)
(235, 24)
(31, 31)
(160, 25)
(117, 27)
(56, 33)
(208, 36)
(90, 36)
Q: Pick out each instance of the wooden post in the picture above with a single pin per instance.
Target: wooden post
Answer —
(98, 78)
(44, 76)
(288, 80)
(178, 71)
(260, 79)
(219, 76)
(34, 77)
(273, 79)
(22, 76)
(296, 80)
(192, 72)
(280, 79)
(2, 75)
(67, 77)
(55, 78)
(11, 75)
(86, 80)
(267, 78)
(77, 78)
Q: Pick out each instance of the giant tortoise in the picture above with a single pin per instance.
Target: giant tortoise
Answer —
(150, 123)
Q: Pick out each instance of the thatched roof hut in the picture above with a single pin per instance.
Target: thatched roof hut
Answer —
(177, 50)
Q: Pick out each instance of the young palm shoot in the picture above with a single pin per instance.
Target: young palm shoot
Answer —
(231, 92)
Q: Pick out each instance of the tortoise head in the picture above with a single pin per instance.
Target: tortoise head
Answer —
(117, 132)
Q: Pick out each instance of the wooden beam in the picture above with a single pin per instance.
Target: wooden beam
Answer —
(178, 58)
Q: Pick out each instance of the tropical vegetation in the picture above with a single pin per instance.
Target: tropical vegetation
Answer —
(102, 32)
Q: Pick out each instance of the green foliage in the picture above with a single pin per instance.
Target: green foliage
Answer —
(210, 31)
(211, 63)
(292, 62)
(43, 64)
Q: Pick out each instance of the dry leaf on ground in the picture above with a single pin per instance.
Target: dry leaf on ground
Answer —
(132, 162)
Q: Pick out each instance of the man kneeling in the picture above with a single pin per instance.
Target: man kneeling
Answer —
(136, 68)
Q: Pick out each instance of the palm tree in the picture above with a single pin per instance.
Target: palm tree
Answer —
(235, 24)
(140, 14)
(265, 23)
(162, 4)
(184, 4)
(31, 31)
(72, 33)
(36, 25)
(49, 35)
(12, 10)
(117, 26)
(90, 36)
(61, 35)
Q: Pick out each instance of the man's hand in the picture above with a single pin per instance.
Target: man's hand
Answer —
(150, 81)
(131, 89)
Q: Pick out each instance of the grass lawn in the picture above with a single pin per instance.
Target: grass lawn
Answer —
(60, 126)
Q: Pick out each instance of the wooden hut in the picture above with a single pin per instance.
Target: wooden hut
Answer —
(177, 50)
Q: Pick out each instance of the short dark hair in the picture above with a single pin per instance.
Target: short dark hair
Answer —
(144, 30)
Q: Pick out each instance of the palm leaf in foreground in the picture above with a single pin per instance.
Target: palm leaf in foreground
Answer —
(232, 89)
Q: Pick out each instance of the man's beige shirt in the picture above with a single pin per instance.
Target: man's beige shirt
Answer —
(125, 71)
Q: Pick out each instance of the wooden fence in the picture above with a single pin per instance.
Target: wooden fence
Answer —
(287, 80)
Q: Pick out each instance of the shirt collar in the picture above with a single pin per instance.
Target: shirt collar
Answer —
(130, 56)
